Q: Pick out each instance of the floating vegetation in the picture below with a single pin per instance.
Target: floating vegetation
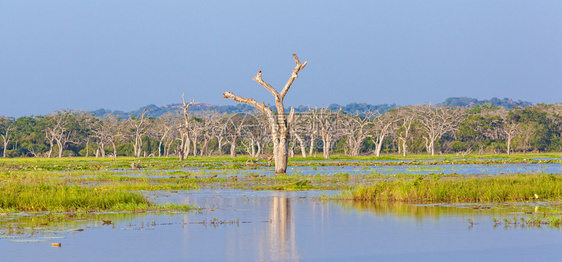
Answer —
(215, 222)
(430, 168)
(550, 220)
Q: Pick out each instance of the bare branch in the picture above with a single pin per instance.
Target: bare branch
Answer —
(267, 86)
(294, 75)
(249, 101)
(186, 106)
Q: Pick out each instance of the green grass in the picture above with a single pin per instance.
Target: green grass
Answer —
(239, 162)
(429, 189)
(17, 197)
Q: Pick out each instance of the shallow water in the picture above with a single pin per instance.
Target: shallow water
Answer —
(464, 169)
(290, 226)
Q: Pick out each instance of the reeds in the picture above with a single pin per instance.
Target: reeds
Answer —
(428, 189)
(48, 197)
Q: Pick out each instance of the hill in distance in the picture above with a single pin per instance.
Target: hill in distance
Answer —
(353, 108)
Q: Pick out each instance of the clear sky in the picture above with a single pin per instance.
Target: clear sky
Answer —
(122, 55)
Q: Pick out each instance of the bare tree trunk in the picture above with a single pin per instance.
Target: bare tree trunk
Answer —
(378, 144)
(279, 124)
(102, 149)
(301, 143)
(404, 146)
(87, 146)
(160, 147)
(195, 146)
(326, 147)
(60, 148)
(114, 150)
(168, 147)
(311, 150)
(220, 145)
(258, 153)
(205, 148)
(233, 149)
(185, 143)
(5, 146)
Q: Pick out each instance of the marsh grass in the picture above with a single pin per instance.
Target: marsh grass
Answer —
(17, 197)
(226, 162)
(432, 189)
(43, 197)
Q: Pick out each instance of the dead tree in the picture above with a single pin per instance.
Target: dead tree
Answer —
(208, 125)
(6, 126)
(139, 128)
(382, 126)
(255, 133)
(510, 127)
(58, 130)
(436, 121)
(354, 128)
(234, 130)
(328, 128)
(183, 150)
(312, 128)
(278, 123)
(163, 129)
(108, 130)
(300, 127)
(406, 117)
(219, 131)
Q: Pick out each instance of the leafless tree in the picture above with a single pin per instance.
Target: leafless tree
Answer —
(278, 123)
(510, 127)
(58, 130)
(355, 129)
(108, 130)
(219, 131)
(436, 121)
(234, 129)
(138, 127)
(196, 130)
(87, 124)
(328, 127)
(207, 126)
(303, 126)
(382, 126)
(163, 130)
(6, 126)
(185, 139)
(406, 116)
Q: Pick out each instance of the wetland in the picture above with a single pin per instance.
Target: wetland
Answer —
(227, 209)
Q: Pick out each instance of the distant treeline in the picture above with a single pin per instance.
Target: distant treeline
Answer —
(353, 108)
(356, 129)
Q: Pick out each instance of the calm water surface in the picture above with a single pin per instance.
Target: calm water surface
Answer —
(289, 226)
(464, 169)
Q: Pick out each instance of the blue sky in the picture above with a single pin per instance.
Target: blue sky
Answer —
(122, 55)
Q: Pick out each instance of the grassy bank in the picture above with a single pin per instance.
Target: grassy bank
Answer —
(241, 161)
(430, 189)
(17, 197)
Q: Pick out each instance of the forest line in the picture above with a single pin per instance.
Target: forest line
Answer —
(412, 129)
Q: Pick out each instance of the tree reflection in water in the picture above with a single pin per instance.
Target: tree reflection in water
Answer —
(281, 231)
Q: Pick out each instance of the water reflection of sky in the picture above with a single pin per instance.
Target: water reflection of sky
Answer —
(291, 226)
(464, 169)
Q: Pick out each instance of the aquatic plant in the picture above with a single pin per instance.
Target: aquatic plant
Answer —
(461, 190)
(63, 198)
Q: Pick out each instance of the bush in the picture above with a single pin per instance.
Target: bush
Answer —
(458, 146)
